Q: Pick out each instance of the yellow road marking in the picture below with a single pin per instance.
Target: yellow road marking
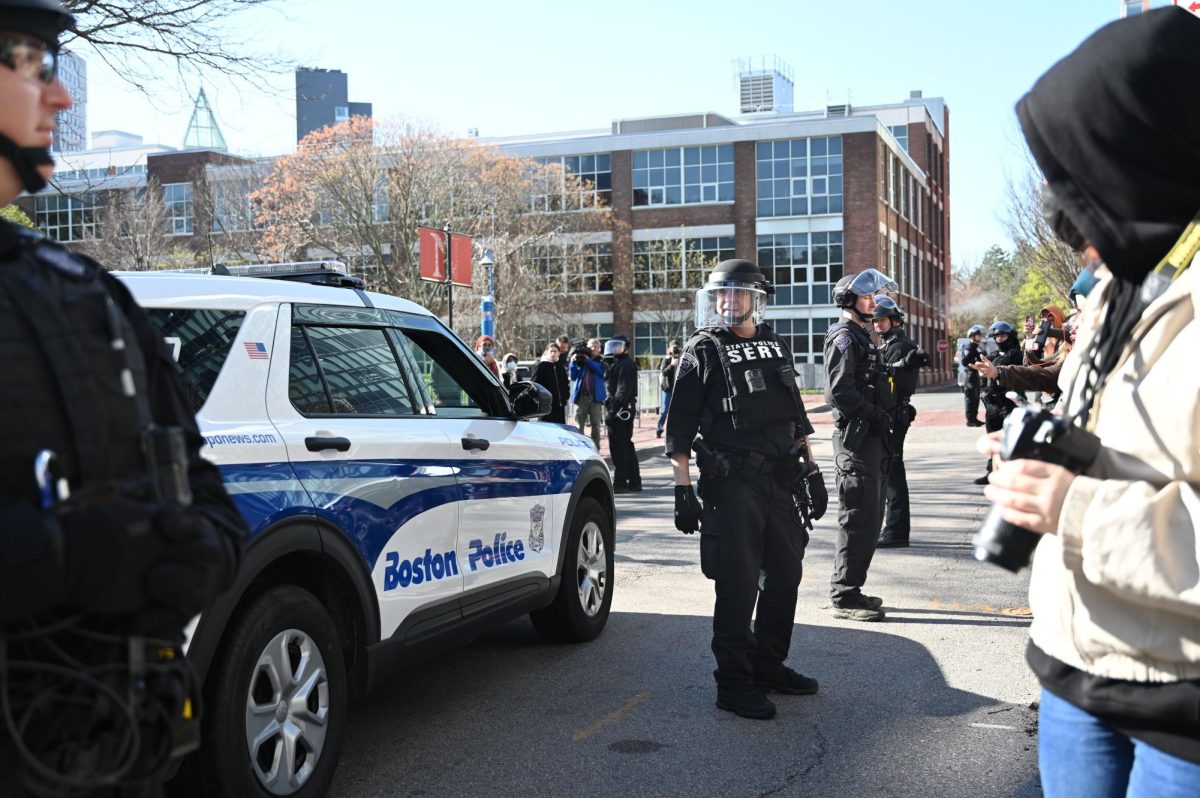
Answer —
(611, 717)
(1019, 612)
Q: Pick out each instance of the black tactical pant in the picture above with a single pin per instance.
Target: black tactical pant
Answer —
(971, 397)
(861, 476)
(626, 471)
(896, 523)
(748, 533)
(993, 419)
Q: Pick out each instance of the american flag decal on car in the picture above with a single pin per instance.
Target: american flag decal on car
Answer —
(257, 350)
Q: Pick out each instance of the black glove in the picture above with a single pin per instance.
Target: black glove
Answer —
(916, 359)
(817, 494)
(687, 509)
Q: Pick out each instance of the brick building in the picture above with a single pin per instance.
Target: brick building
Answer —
(808, 195)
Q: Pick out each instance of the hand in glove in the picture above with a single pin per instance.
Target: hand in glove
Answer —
(687, 509)
(916, 359)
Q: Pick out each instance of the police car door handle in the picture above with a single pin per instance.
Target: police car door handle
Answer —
(319, 444)
(476, 443)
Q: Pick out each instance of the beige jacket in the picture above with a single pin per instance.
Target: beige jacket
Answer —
(1116, 592)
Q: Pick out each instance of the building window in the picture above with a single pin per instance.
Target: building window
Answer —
(177, 198)
(341, 113)
(650, 338)
(595, 172)
(574, 269)
(799, 177)
(673, 263)
(67, 217)
(806, 337)
(900, 133)
(683, 175)
(802, 266)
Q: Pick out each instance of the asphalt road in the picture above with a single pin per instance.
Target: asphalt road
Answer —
(935, 701)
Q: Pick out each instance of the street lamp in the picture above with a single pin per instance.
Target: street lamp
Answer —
(487, 305)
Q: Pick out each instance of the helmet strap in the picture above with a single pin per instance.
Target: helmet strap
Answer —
(25, 161)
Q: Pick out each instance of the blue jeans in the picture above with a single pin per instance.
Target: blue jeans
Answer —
(662, 416)
(1081, 757)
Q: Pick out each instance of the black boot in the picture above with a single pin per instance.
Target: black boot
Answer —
(785, 680)
(745, 700)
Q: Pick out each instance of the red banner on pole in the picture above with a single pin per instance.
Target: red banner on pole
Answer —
(432, 245)
(462, 252)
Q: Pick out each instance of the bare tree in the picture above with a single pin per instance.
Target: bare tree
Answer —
(135, 37)
(132, 232)
(1038, 251)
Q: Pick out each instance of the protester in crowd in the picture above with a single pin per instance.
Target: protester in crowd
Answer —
(508, 370)
(667, 370)
(558, 411)
(545, 374)
(485, 347)
(1049, 334)
(587, 388)
(1115, 637)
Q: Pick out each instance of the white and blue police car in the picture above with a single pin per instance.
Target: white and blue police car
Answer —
(399, 498)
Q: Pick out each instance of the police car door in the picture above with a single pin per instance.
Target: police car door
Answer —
(515, 476)
(375, 464)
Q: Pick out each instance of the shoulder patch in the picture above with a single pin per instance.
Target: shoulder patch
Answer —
(687, 365)
(842, 342)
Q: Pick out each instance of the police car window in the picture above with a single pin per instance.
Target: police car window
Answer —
(200, 341)
(359, 370)
(448, 381)
(305, 388)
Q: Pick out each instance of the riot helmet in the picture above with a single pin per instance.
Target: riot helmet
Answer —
(1001, 327)
(865, 283)
(735, 294)
(886, 308)
(41, 19)
(976, 329)
(615, 346)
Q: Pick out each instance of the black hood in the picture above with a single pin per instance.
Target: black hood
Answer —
(1115, 129)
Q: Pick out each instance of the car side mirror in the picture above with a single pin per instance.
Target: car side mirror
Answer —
(529, 399)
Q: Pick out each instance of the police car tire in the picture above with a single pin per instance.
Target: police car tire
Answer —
(564, 620)
(223, 760)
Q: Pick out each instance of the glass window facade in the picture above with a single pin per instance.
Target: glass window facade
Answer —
(799, 177)
(683, 175)
(177, 197)
(574, 269)
(596, 173)
(677, 263)
(802, 266)
(650, 338)
(67, 217)
(900, 133)
(806, 337)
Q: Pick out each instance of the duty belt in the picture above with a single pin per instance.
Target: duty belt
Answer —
(754, 463)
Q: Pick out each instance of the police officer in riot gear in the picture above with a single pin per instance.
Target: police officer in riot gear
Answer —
(736, 386)
(621, 386)
(903, 360)
(857, 388)
(114, 532)
(996, 403)
(971, 354)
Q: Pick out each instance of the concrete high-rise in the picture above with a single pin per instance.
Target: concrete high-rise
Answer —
(70, 127)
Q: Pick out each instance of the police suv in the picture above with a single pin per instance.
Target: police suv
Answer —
(399, 500)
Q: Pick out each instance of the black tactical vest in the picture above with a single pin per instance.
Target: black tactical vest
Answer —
(72, 376)
(759, 375)
(904, 379)
(868, 367)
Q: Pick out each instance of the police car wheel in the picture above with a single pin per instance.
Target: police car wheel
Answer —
(580, 608)
(278, 701)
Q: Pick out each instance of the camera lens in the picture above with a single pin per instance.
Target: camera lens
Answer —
(1004, 544)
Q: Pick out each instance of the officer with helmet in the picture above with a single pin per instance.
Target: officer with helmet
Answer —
(971, 353)
(857, 388)
(736, 387)
(114, 532)
(903, 359)
(620, 404)
(996, 403)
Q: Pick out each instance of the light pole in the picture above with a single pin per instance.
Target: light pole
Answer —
(487, 305)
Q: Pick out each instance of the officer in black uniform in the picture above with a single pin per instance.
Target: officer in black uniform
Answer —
(857, 388)
(736, 386)
(114, 532)
(903, 360)
(620, 405)
(996, 403)
(971, 354)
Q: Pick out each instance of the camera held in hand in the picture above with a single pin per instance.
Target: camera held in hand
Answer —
(1031, 433)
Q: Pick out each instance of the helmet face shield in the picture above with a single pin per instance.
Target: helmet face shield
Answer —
(873, 281)
(729, 305)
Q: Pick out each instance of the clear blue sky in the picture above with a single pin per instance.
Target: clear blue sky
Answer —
(524, 67)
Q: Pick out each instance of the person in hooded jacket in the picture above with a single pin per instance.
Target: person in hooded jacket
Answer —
(996, 403)
(1115, 637)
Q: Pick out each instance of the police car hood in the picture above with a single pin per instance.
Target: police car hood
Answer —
(1115, 129)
